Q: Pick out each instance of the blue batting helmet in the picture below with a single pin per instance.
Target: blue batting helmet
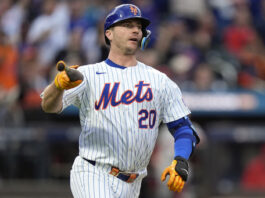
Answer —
(124, 12)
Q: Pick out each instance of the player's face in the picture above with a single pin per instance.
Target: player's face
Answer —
(126, 36)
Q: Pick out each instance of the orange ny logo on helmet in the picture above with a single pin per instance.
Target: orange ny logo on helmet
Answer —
(133, 10)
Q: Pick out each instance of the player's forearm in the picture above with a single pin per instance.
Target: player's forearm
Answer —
(52, 99)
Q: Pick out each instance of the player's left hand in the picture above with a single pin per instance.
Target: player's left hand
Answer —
(178, 174)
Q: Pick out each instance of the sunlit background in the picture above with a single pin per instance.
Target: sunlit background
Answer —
(213, 49)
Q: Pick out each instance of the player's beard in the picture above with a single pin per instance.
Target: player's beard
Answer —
(128, 50)
(125, 47)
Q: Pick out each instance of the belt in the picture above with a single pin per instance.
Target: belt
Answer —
(127, 177)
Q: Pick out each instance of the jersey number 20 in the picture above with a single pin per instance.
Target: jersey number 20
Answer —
(147, 119)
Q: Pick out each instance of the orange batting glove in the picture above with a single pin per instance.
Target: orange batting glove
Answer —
(178, 174)
(62, 79)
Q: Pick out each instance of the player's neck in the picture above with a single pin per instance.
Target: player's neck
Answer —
(121, 59)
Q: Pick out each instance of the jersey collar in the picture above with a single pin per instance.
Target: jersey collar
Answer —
(112, 64)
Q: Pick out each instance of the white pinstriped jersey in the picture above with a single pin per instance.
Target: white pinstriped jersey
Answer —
(120, 110)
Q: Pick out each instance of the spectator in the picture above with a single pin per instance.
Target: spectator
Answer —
(258, 13)
(188, 8)
(9, 88)
(241, 32)
(253, 177)
(173, 38)
(223, 11)
(78, 15)
(48, 32)
(4, 6)
(182, 65)
(13, 19)
(204, 79)
(205, 36)
(8, 63)
(72, 54)
(242, 40)
(32, 79)
(94, 44)
(252, 74)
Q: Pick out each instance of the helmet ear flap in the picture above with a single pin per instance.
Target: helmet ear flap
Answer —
(146, 39)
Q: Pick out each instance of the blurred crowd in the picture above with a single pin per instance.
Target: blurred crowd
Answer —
(203, 45)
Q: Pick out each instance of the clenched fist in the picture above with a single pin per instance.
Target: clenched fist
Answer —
(178, 174)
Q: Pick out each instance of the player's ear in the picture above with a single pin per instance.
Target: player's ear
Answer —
(109, 34)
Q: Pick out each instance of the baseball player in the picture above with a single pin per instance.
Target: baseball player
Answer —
(121, 104)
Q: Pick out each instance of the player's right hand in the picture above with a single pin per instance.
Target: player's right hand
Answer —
(62, 80)
(178, 174)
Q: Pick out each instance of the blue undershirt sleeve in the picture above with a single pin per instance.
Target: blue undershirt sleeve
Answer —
(185, 137)
(183, 148)
(184, 141)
